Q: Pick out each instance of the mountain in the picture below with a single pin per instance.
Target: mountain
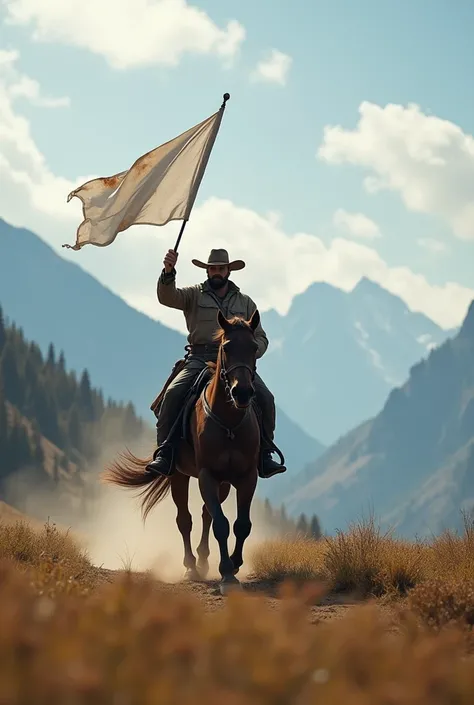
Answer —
(128, 354)
(335, 356)
(413, 464)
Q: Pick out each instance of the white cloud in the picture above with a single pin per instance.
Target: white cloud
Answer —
(356, 224)
(18, 85)
(296, 261)
(433, 246)
(281, 264)
(274, 68)
(427, 160)
(129, 33)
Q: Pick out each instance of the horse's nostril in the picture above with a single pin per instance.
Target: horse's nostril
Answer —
(242, 395)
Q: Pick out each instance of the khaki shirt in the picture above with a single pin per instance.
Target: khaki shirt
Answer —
(200, 309)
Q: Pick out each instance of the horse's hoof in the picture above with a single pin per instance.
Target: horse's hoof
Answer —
(203, 569)
(229, 585)
(192, 575)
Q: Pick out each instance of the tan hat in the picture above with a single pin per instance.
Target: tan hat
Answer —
(219, 257)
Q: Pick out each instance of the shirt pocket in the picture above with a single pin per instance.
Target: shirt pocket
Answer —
(207, 313)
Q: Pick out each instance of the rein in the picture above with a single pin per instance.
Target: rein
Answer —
(224, 375)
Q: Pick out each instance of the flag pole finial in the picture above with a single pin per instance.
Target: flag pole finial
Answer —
(226, 97)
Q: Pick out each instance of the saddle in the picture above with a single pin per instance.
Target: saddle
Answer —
(181, 427)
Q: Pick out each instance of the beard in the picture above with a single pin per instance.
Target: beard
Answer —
(217, 282)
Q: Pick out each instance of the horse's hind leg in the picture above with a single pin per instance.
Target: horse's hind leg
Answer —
(210, 493)
(243, 525)
(180, 494)
(203, 548)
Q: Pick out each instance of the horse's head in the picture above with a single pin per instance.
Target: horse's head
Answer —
(238, 353)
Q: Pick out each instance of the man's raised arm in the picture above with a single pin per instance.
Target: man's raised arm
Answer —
(166, 289)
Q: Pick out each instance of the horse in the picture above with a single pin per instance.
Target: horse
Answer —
(223, 452)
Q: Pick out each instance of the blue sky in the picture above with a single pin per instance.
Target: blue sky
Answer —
(264, 174)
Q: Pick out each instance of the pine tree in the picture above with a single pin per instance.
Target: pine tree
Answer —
(315, 528)
(62, 363)
(10, 375)
(3, 423)
(37, 447)
(267, 510)
(51, 358)
(130, 425)
(302, 526)
(74, 428)
(86, 402)
(20, 455)
(3, 332)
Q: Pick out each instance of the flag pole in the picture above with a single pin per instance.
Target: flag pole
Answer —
(226, 97)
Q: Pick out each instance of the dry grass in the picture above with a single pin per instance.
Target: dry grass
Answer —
(65, 636)
(128, 643)
(288, 559)
(366, 562)
(50, 557)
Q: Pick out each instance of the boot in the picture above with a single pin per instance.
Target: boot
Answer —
(269, 466)
(162, 462)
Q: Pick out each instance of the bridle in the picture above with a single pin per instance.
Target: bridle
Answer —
(224, 375)
(225, 371)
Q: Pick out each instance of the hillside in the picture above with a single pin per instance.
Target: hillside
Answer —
(128, 354)
(53, 423)
(413, 464)
(335, 356)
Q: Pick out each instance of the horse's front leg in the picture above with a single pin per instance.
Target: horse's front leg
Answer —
(245, 490)
(210, 493)
(203, 548)
(180, 494)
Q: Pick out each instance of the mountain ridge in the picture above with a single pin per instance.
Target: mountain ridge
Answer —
(413, 463)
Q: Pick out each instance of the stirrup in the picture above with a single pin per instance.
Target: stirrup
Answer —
(154, 466)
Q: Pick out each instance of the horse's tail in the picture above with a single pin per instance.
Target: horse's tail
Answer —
(130, 472)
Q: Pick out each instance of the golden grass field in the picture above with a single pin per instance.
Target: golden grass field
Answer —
(71, 633)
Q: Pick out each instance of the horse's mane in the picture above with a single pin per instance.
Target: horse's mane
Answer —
(235, 322)
(218, 336)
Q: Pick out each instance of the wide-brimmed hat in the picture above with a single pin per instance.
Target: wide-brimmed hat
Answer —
(217, 258)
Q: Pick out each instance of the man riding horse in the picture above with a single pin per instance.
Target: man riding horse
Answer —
(200, 305)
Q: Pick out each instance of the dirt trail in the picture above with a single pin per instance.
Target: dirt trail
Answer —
(330, 607)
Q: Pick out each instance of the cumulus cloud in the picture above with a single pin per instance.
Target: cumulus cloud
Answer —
(356, 224)
(27, 182)
(296, 261)
(281, 263)
(433, 246)
(427, 160)
(129, 33)
(18, 85)
(274, 68)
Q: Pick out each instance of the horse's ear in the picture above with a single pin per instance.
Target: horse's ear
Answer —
(255, 320)
(222, 320)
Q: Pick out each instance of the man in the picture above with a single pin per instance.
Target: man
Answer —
(200, 304)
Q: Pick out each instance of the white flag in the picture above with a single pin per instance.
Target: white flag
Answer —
(159, 187)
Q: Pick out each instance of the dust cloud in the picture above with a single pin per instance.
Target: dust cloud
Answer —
(110, 527)
(117, 538)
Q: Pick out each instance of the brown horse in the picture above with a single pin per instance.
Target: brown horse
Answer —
(225, 437)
